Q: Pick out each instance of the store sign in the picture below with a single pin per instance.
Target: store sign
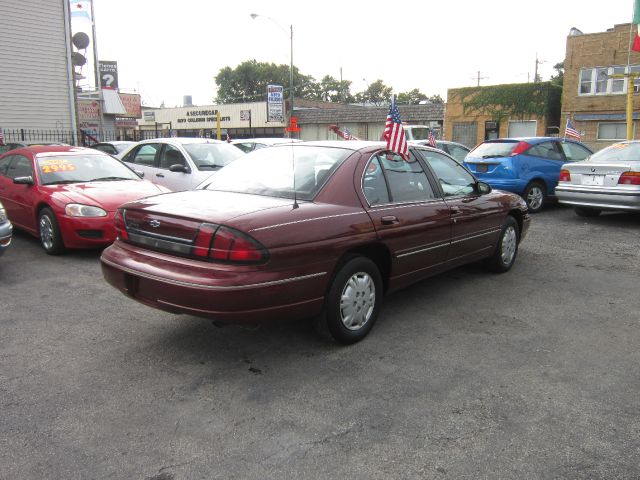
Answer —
(275, 103)
(149, 116)
(245, 115)
(108, 74)
(131, 102)
(88, 110)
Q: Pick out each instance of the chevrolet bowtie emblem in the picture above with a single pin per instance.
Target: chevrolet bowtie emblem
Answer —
(154, 223)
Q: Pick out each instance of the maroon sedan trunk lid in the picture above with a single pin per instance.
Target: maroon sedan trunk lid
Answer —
(179, 216)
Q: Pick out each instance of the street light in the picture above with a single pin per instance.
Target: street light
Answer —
(256, 15)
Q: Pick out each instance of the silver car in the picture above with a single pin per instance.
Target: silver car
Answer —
(179, 163)
(6, 230)
(607, 180)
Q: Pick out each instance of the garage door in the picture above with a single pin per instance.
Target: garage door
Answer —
(525, 128)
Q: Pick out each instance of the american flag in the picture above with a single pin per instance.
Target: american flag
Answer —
(347, 134)
(432, 139)
(394, 131)
(570, 131)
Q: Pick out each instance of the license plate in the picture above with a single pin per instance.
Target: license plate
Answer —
(592, 179)
(481, 167)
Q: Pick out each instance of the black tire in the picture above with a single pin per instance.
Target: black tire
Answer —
(587, 212)
(50, 237)
(507, 247)
(535, 195)
(354, 300)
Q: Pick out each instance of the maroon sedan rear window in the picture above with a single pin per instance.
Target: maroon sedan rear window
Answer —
(269, 171)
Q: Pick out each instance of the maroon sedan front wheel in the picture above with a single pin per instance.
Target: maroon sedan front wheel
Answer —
(354, 300)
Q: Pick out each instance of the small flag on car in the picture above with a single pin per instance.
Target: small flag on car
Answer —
(432, 139)
(570, 131)
(394, 131)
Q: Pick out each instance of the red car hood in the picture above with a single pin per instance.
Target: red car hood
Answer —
(208, 206)
(108, 195)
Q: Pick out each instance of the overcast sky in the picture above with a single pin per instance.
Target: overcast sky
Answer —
(168, 49)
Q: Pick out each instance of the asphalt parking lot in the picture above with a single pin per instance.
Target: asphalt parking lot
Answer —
(469, 375)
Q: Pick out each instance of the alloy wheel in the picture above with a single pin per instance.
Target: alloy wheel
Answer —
(46, 232)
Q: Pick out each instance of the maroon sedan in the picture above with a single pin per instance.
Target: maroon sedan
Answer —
(67, 196)
(257, 242)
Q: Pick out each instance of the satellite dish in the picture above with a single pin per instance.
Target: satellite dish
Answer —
(78, 59)
(80, 40)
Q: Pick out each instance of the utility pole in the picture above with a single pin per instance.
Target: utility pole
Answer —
(478, 78)
(536, 79)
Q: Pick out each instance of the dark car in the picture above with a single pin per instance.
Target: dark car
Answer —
(113, 148)
(529, 166)
(455, 149)
(258, 242)
(67, 196)
(6, 230)
(5, 147)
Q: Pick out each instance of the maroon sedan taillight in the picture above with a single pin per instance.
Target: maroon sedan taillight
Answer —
(224, 244)
(121, 229)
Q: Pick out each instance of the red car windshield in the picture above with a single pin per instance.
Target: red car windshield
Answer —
(75, 168)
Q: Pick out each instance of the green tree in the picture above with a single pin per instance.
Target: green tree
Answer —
(558, 78)
(377, 93)
(249, 80)
(411, 98)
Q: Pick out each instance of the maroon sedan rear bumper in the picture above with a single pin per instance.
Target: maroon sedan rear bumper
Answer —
(228, 294)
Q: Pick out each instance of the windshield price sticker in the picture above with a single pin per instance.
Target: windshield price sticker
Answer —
(56, 165)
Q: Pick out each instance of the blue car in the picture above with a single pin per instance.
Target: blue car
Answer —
(529, 166)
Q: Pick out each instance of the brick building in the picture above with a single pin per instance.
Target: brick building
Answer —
(475, 114)
(592, 96)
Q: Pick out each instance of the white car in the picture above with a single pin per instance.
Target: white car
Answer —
(250, 144)
(179, 163)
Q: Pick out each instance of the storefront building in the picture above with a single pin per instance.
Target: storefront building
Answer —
(237, 120)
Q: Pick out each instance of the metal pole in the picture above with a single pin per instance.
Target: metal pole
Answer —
(291, 134)
(630, 107)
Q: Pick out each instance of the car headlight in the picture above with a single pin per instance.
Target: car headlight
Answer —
(79, 210)
(3, 215)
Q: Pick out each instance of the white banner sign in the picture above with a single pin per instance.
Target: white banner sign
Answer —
(275, 103)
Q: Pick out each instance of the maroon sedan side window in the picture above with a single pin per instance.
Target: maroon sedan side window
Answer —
(374, 185)
(406, 179)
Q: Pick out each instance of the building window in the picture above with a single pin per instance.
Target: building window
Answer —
(585, 81)
(604, 81)
(612, 131)
(602, 77)
(465, 133)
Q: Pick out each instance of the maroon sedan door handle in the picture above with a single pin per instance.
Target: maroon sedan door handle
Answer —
(389, 220)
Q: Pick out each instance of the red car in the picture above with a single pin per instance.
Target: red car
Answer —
(67, 196)
(256, 242)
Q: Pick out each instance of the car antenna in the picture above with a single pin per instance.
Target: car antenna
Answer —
(295, 193)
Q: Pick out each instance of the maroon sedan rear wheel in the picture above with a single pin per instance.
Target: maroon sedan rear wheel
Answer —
(354, 300)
